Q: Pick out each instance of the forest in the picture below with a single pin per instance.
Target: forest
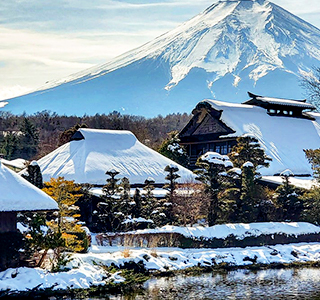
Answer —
(32, 137)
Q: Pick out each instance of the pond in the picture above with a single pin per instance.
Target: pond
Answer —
(286, 284)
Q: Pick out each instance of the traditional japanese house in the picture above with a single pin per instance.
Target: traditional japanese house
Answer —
(92, 152)
(17, 195)
(283, 127)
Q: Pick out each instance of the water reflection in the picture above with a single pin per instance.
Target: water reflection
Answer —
(285, 284)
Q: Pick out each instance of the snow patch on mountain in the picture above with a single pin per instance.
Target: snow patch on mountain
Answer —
(230, 48)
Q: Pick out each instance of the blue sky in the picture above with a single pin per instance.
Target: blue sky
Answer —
(46, 40)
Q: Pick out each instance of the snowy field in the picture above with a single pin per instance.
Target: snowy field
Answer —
(239, 230)
(85, 269)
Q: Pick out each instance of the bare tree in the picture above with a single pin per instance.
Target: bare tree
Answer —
(311, 84)
(189, 203)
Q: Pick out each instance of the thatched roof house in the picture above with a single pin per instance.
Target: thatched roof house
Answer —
(18, 195)
(283, 127)
(92, 152)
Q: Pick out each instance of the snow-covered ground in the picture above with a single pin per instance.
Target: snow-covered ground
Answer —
(238, 230)
(85, 269)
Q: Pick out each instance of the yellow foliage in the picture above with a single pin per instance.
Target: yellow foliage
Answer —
(66, 193)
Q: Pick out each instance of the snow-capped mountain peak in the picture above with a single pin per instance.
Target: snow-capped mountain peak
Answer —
(231, 47)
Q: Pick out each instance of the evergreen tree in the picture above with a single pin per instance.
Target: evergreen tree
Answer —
(289, 199)
(109, 215)
(172, 176)
(313, 157)
(125, 205)
(66, 193)
(212, 166)
(149, 201)
(10, 146)
(137, 208)
(111, 187)
(85, 204)
(311, 200)
(28, 140)
(34, 174)
(249, 149)
(152, 209)
(172, 149)
(248, 202)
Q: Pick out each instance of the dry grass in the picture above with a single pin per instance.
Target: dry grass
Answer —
(126, 253)
(154, 253)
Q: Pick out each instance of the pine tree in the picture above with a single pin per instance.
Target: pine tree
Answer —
(125, 205)
(10, 146)
(249, 149)
(212, 166)
(313, 157)
(111, 187)
(311, 211)
(85, 204)
(248, 202)
(109, 215)
(149, 202)
(172, 149)
(137, 208)
(66, 193)
(28, 140)
(171, 186)
(34, 174)
(289, 200)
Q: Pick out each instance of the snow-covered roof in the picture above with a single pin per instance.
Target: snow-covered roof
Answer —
(18, 163)
(17, 194)
(280, 101)
(87, 160)
(300, 182)
(283, 138)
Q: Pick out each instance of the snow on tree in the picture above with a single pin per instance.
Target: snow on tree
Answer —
(289, 199)
(249, 149)
(173, 150)
(66, 193)
(33, 174)
(212, 168)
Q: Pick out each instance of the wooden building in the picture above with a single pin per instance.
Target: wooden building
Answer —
(17, 195)
(283, 127)
(92, 152)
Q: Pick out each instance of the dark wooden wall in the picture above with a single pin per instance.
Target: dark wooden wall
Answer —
(8, 221)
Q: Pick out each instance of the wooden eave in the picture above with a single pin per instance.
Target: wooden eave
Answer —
(218, 140)
(278, 103)
(201, 111)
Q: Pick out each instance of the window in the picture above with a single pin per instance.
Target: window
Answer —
(224, 150)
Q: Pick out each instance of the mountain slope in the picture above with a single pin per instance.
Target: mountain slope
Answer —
(230, 48)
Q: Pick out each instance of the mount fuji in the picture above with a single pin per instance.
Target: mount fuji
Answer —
(230, 48)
